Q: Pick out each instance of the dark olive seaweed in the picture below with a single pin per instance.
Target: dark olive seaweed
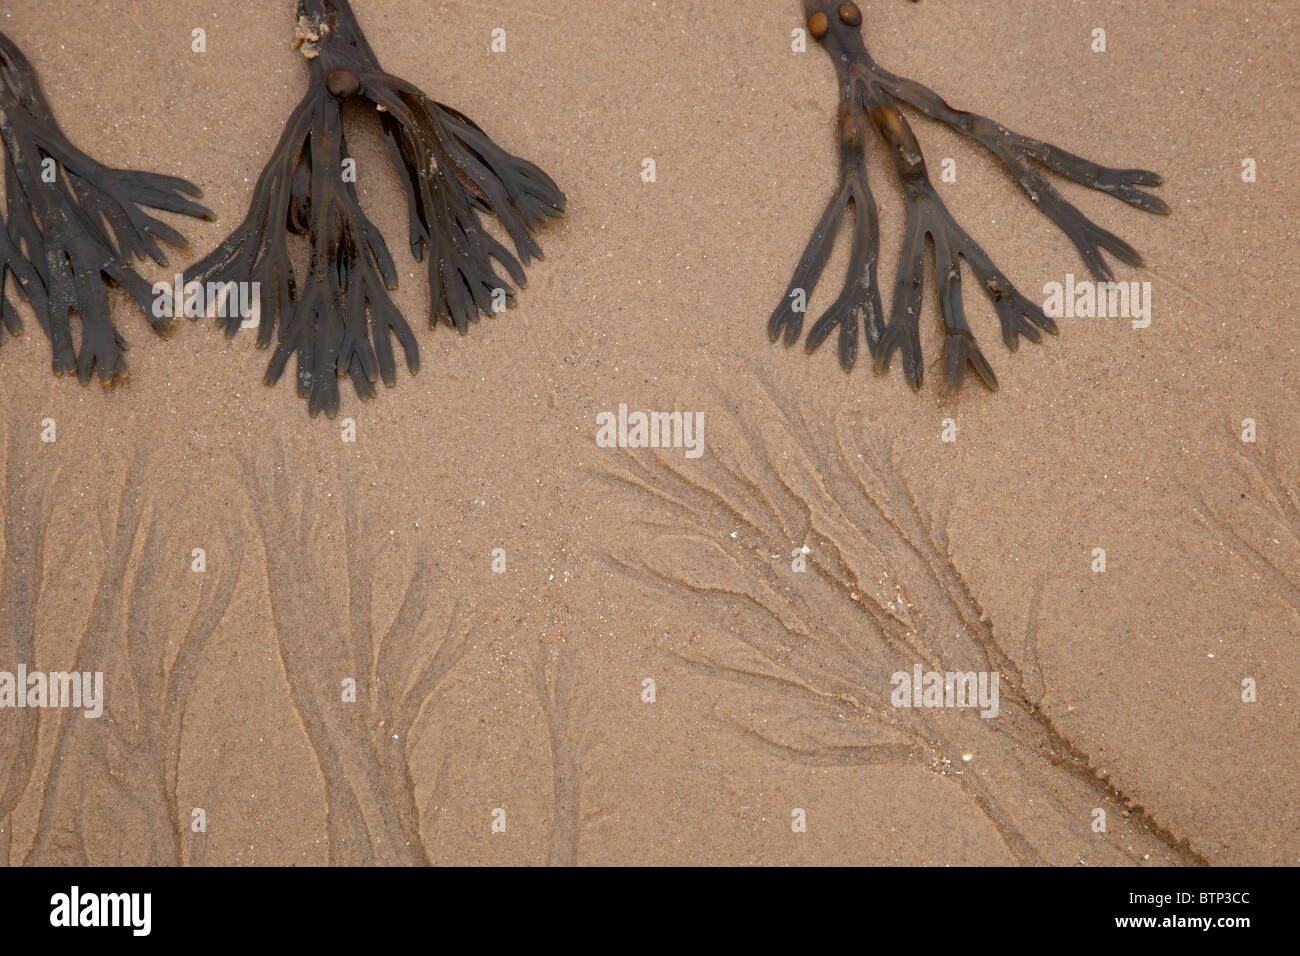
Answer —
(871, 94)
(72, 227)
(451, 171)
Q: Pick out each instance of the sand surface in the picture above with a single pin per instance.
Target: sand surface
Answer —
(504, 717)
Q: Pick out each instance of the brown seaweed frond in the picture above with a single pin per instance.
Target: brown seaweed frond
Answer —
(341, 320)
(72, 228)
(872, 97)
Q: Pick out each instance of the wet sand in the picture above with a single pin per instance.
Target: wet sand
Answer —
(520, 698)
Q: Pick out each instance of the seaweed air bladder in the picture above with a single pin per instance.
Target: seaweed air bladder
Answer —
(871, 97)
(341, 320)
(72, 227)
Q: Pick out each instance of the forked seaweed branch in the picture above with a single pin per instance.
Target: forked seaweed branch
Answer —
(341, 320)
(871, 96)
(73, 226)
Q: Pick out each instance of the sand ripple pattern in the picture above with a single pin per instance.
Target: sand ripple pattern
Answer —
(816, 650)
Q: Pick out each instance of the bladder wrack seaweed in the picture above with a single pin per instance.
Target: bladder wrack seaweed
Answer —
(72, 226)
(870, 97)
(451, 172)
